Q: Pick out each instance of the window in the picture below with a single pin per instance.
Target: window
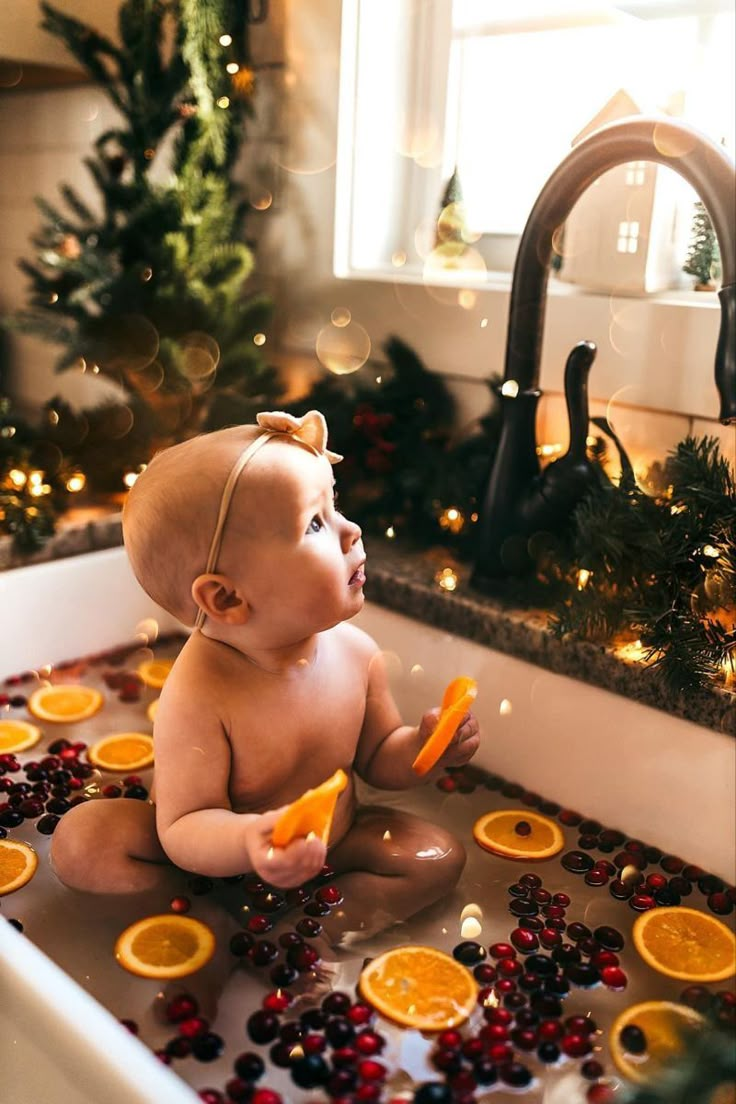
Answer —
(499, 93)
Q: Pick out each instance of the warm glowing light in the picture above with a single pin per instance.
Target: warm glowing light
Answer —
(130, 476)
(343, 349)
(223, 102)
(17, 477)
(590, 441)
(76, 482)
(466, 299)
(232, 67)
(387, 836)
(678, 508)
(297, 1051)
(262, 201)
(226, 40)
(53, 297)
(452, 519)
(491, 1001)
(483, 323)
(390, 532)
(379, 379)
(505, 707)
(549, 450)
(259, 339)
(583, 578)
(510, 389)
(417, 669)
(710, 550)
(630, 873)
(146, 275)
(470, 928)
(341, 316)
(35, 478)
(446, 578)
(398, 258)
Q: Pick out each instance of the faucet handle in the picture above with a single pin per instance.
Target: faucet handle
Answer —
(577, 369)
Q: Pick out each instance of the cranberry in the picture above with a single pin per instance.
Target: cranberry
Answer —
(548, 1052)
(697, 997)
(449, 1039)
(339, 1031)
(494, 1033)
(570, 818)
(577, 862)
(316, 908)
(360, 1014)
(336, 1004)
(525, 941)
(620, 890)
(180, 1047)
(485, 1071)
(541, 964)
(558, 985)
(309, 928)
(369, 1042)
(671, 864)
(640, 902)
(263, 952)
(262, 1027)
(194, 1026)
(576, 1046)
(547, 1005)
(497, 1016)
(692, 872)
(523, 828)
(484, 973)
(501, 950)
(447, 784)
(211, 1096)
(542, 896)
(310, 1071)
(565, 953)
(281, 975)
(249, 1066)
(509, 967)
(500, 1052)
(329, 895)
(518, 890)
(609, 938)
(265, 1096)
(521, 907)
(561, 899)
(530, 881)
(515, 1074)
(591, 1069)
(433, 1092)
(241, 943)
(531, 923)
(278, 1001)
(469, 953)
(369, 1070)
(550, 938)
(599, 959)
(720, 903)
(596, 877)
(588, 843)
(525, 1038)
(530, 983)
(681, 886)
(633, 1039)
(258, 924)
(514, 1001)
(550, 1030)
(506, 985)
(613, 977)
(344, 1057)
(238, 1091)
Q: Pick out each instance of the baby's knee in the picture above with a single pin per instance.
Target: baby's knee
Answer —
(442, 859)
(74, 844)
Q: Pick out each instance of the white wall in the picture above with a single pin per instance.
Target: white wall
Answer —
(44, 135)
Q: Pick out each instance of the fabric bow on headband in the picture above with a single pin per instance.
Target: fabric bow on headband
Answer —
(309, 430)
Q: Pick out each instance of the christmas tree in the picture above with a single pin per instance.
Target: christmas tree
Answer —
(703, 257)
(147, 290)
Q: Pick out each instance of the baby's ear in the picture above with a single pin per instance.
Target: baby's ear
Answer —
(220, 599)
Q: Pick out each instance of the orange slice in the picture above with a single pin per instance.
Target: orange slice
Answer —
(17, 736)
(312, 812)
(123, 751)
(65, 704)
(663, 1024)
(18, 864)
(419, 987)
(457, 699)
(685, 943)
(166, 946)
(152, 710)
(154, 672)
(504, 832)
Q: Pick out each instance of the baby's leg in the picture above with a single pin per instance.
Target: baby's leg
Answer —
(389, 866)
(110, 846)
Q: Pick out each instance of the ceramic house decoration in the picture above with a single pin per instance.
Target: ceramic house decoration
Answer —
(622, 235)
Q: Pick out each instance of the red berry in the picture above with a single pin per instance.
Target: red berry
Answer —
(510, 967)
(369, 1042)
(451, 1039)
(447, 784)
(181, 1007)
(500, 1053)
(278, 1001)
(501, 950)
(313, 1043)
(195, 1025)
(550, 1030)
(576, 1046)
(524, 941)
(613, 977)
(359, 1014)
(369, 1070)
(265, 1096)
(180, 904)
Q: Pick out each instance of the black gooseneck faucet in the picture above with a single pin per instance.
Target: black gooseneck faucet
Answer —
(520, 501)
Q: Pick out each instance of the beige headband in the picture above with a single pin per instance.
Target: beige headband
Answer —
(310, 431)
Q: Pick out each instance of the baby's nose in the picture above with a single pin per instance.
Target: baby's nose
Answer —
(351, 534)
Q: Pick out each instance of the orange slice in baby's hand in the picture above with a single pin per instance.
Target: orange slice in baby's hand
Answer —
(663, 1024)
(123, 751)
(65, 704)
(419, 987)
(18, 864)
(312, 812)
(17, 736)
(166, 946)
(518, 834)
(685, 943)
(456, 701)
(154, 672)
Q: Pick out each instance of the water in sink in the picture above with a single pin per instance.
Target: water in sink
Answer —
(79, 932)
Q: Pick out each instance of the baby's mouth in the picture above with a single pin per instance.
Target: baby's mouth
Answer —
(358, 576)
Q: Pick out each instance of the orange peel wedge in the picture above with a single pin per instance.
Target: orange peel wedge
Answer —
(459, 695)
(312, 812)
(497, 832)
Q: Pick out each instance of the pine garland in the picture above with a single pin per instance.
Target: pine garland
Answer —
(661, 566)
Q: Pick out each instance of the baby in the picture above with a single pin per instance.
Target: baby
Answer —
(238, 533)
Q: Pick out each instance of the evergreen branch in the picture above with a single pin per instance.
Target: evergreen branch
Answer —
(88, 46)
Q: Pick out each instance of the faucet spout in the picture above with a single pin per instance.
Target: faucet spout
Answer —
(705, 165)
(518, 500)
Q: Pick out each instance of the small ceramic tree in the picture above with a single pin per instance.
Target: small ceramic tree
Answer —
(703, 256)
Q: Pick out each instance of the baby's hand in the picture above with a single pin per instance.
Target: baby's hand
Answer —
(464, 743)
(283, 867)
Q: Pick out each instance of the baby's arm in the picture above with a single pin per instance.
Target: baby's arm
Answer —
(196, 824)
(387, 748)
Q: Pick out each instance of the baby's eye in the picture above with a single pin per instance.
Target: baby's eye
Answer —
(315, 524)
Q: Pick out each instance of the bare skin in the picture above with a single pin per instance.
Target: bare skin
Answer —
(273, 694)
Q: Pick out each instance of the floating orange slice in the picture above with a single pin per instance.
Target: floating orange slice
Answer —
(419, 987)
(166, 946)
(154, 672)
(18, 864)
(685, 943)
(152, 710)
(123, 751)
(312, 812)
(456, 701)
(663, 1024)
(518, 834)
(65, 704)
(17, 736)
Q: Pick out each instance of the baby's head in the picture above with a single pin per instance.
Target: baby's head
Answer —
(218, 506)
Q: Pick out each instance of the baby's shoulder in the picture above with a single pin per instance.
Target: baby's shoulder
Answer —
(354, 640)
(197, 673)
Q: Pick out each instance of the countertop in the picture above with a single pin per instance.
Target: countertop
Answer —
(405, 580)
